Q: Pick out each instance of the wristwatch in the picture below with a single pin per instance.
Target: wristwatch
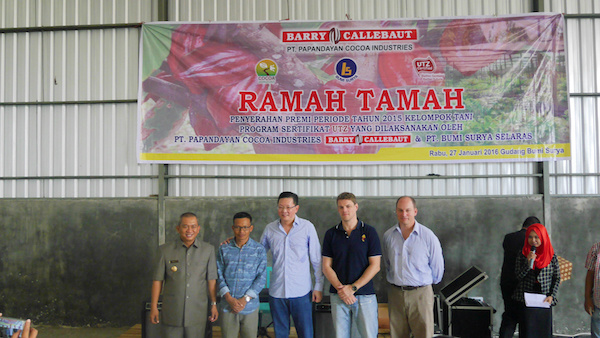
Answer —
(354, 288)
(213, 303)
(247, 298)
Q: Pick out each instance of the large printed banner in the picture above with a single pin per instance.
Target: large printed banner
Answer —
(396, 91)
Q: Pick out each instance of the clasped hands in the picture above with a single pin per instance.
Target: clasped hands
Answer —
(236, 304)
(346, 294)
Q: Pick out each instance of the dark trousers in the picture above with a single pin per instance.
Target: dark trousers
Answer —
(510, 317)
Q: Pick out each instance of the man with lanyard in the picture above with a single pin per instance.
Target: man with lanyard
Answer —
(351, 258)
(414, 262)
(294, 243)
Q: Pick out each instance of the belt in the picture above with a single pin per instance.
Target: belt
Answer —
(407, 287)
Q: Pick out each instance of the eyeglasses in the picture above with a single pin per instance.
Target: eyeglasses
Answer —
(235, 227)
(281, 207)
(193, 227)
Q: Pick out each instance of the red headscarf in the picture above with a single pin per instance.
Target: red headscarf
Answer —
(545, 251)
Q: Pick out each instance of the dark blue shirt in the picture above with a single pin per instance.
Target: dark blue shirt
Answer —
(350, 254)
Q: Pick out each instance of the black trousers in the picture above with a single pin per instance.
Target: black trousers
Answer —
(535, 322)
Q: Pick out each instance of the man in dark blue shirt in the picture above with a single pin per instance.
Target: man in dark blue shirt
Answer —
(351, 258)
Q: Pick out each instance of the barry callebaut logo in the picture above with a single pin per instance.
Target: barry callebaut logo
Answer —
(335, 35)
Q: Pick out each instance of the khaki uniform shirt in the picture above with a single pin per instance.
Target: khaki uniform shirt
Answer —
(185, 272)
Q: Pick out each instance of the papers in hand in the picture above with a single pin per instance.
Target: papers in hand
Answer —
(535, 300)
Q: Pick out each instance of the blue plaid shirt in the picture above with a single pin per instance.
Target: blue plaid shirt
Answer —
(242, 271)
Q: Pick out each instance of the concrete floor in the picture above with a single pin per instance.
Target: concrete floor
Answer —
(72, 332)
(77, 332)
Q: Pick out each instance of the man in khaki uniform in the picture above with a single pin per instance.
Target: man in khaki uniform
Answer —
(186, 272)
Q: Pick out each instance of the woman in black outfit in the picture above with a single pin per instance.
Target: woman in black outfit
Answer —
(544, 279)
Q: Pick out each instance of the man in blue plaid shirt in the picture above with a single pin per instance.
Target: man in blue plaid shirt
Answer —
(241, 266)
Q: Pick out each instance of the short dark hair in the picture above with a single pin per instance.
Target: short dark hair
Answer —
(242, 214)
(529, 221)
(288, 194)
(412, 199)
(185, 215)
(346, 196)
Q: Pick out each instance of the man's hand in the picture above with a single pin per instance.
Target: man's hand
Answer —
(28, 331)
(226, 241)
(317, 296)
(241, 304)
(588, 305)
(548, 299)
(531, 257)
(346, 294)
(214, 313)
(234, 303)
(242, 301)
(154, 314)
(154, 295)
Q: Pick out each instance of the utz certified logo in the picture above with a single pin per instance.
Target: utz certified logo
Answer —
(426, 68)
(424, 65)
(266, 70)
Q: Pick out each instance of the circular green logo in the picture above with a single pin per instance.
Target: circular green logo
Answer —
(266, 67)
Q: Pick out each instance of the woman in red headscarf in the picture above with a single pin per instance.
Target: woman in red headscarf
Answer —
(537, 272)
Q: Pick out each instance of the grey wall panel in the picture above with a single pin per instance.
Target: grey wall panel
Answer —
(571, 7)
(71, 141)
(76, 262)
(584, 83)
(585, 155)
(574, 232)
(61, 148)
(261, 10)
(70, 65)
(363, 180)
(35, 13)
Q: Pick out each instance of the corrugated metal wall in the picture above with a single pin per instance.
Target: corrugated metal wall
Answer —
(79, 141)
(580, 175)
(80, 138)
